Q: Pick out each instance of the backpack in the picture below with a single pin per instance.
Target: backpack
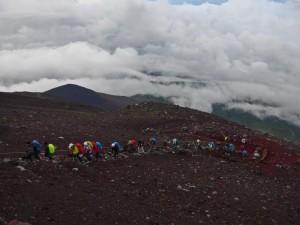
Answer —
(153, 141)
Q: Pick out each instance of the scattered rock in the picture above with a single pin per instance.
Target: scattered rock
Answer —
(21, 168)
(192, 187)
(6, 160)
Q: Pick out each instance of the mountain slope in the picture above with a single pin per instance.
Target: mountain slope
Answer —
(91, 98)
(30, 100)
(203, 187)
(271, 125)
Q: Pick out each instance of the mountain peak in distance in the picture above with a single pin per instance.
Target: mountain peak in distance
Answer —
(85, 96)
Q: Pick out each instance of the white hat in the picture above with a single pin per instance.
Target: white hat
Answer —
(113, 145)
(85, 143)
(71, 145)
(198, 140)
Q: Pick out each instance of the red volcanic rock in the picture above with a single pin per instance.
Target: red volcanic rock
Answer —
(158, 188)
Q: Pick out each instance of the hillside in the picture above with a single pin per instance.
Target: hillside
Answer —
(78, 94)
(188, 187)
(30, 100)
(271, 125)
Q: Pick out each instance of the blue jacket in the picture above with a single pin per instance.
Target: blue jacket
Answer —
(36, 146)
(117, 145)
(99, 145)
(153, 141)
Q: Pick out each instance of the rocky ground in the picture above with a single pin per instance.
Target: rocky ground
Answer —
(190, 187)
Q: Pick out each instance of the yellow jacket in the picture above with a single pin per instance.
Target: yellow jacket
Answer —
(51, 148)
(74, 150)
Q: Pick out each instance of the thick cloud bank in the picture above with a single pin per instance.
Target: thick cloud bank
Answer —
(242, 53)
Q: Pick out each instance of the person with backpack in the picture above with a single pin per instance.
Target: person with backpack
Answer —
(226, 139)
(153, 144)
(74, 152)
(198, 144)
(34, 149)
(88, 147)
(131, 146)
(80, 149)
(211, 146)
(243, 143)
(49, 150)
(100, 147)
(95, 150)
(140, 145)
(244, 153)
(175, 144)
(115, 147)
(231, 148)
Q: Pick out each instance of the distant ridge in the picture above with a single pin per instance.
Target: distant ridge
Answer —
(85, 96)
(34, 100)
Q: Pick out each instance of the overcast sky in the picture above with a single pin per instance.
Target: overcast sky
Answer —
(245, 53)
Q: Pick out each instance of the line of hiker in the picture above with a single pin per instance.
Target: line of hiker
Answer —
(88, 150)
(34, 148)
(94, 150)
(228, 148)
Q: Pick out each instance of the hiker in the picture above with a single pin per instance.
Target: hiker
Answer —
(243, 143)
(231, 148)
(88, 147)
(244, 149)
(255, 155)
(198, 144)
(74, 152)
(80, 149)
(34, 149)
(226, 139)
(175, 144)
(140, 145)
(225, 149)
(211, 146)
(244, 153)
(100, 147)
(131, 146)
(115, 147)
(95, 150)
(49, 150)
(153, 144)
(228, 149)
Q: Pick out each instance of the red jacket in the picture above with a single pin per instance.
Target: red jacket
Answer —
(133, 142)
(95, 148)
(80, 148)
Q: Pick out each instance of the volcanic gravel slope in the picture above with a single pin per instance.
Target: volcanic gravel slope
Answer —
(190, 187)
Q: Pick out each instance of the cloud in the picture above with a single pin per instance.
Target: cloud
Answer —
(243, 55)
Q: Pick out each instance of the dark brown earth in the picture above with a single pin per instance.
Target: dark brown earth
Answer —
(190, 187)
